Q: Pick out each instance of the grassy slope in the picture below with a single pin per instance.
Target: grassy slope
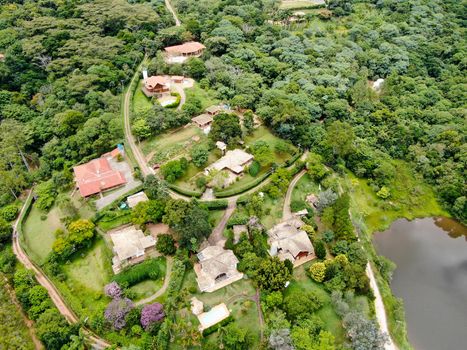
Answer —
(39, 234)
(207, 97)
(149, 287)
(140, 102)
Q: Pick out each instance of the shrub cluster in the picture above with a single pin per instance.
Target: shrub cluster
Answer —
(148, 269)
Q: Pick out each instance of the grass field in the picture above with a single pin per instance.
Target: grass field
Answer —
(410, 198)
(304, 187)
(206, 97)
(275, 208)
(215, 216)
(299, 4)
(86, 276)
(107, 225)
(140, 102)
(147, 288)
(39, 234)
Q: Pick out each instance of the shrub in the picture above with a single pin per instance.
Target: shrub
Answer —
(46, 194)
(176, 102)
(9, 212)
(254, 168)
(318, 271)
(165, 244)
(151, 314)
(148, 269)
(185, 191)
(201, 182)
(297, 205)
(113, 290)
(301, 304)
(215, 327)
(244, 188)
(116, 312)
(320, 249)
(216, 204)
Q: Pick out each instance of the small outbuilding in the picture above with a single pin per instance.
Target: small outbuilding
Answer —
(136, 198)
(203, 121)
(222, 146)
(214, 110)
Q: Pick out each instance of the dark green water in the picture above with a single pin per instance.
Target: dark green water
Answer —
(431, 278)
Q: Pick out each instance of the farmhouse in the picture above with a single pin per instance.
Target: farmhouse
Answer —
(156, 85)
(189, 49)
(235, 161)
(214, 110)
(203, 121)
(288, 241)
(98, 175)
(217, 268)
(130, 246)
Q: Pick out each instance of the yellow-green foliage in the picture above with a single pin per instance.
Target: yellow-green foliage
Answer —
(318, 271)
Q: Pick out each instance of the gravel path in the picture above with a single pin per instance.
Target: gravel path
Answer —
(287, 212)
(164, 286)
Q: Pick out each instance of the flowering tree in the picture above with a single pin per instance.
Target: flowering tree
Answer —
(113, 290)
(116, 312)
(150, 314)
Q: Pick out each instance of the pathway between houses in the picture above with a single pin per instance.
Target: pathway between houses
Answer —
(164, 286)
(216, 237)
(42, 279)
(287, 212)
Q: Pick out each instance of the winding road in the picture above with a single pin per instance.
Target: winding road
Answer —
(164, 286)
(43, 280)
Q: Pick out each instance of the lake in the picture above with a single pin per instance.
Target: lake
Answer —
(431, 278)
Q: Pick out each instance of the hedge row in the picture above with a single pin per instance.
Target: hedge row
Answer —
(185, 191)
(292, 160)
(176, 102)
(215, 327)
(216, 204)
(148, 269)
(246, 187)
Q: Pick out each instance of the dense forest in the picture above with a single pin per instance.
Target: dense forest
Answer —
(65, 62)
(64, 65)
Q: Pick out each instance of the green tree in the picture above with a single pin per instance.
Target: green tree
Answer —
(174, 169)
(165, 244)
(225, 128)
(199, 155)
(46, 194)
(318, 271)
(315, 166)
(272, 274)
(262, 152)
(248, 122)
(340, 136)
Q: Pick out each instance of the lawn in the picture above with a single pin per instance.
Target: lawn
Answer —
(410, 198)
(147, 288)
(39, 234)
(299, 4)
(327, 314)
(172, 144)
(107, 224)
(275, 208)
(236, 297)
(304, 187)
(215, 217)
(262, 133)
(140, 102)
(86, 276)
(206, 97)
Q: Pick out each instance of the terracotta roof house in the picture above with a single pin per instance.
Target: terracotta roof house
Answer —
(130, 246)
(189, 49)
(217, 268)
(136, 198)
(202, 120)
(288, 241)
(156, 85)
(97, 176)
(235, 161)
(213, 110)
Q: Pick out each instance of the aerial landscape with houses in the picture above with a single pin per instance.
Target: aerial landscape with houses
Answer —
(209, 174)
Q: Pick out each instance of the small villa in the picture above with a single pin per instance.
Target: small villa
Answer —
(130, 246)
(156, 85)
(288, 241)
(99, 174)
(216, 269)
(180, 53)
(214, 110)
(235, 161)
(203, 121)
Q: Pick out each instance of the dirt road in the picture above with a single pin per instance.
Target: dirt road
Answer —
(216, 237)
(172, 11)
(287, 212)
(70, 316)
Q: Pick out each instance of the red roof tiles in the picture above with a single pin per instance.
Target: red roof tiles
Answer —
(186, 48)
(96, 176)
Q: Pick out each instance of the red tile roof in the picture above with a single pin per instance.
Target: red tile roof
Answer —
(186, 48)
(155, 80)
(96, 176)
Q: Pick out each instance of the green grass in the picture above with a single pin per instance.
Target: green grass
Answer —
(86, 276)
(207, 97)
(304, 187)
(107, 225)
(275, 208)
(140, 102)
(215, 217)
(262, 133)
(147, 288)
(327, 314)
(410, 198)
(297, 4)
(39, 234)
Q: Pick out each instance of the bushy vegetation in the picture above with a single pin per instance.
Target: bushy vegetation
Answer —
(148, 269)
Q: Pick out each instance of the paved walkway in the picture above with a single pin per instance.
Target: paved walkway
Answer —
(70, 316)
(164, 286)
